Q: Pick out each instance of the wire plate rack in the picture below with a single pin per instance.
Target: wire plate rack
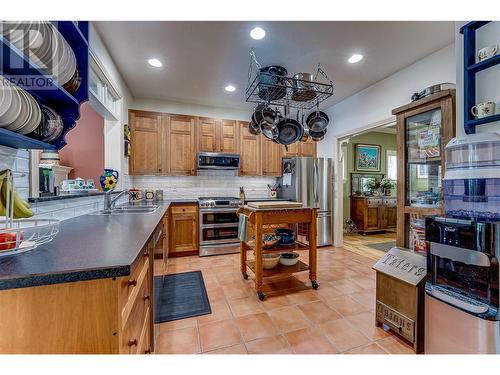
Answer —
(281, 91)
(26, 234)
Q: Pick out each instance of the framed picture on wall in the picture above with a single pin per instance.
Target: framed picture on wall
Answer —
(367, 157)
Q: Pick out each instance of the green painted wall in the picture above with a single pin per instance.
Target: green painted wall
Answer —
(386, 141)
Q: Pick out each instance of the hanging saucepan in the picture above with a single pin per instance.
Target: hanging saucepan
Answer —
(257, 113)
(269, 120)
(272, 82)
(290, 131)
(303, 87)
(317, 121)
(317, 136)
(253, 128)
(305, 136)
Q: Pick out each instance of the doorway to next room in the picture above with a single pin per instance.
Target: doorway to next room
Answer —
(369, 191)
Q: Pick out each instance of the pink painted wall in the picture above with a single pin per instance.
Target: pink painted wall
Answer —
(84, 151)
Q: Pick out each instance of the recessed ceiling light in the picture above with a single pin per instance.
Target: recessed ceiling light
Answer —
(155, 62)
(257, 33)
(230, 88)
(355, 58)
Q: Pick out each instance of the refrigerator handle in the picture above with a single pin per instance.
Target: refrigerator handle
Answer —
(315, 185)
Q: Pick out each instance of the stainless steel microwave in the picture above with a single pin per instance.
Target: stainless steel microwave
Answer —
(216, 160)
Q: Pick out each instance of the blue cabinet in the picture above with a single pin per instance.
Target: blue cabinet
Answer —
(471, 68)
(15, 65)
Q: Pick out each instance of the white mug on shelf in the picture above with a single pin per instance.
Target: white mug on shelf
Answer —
(487, 52)
(483, 109)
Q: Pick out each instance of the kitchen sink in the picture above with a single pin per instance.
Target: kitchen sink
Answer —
(127, 210)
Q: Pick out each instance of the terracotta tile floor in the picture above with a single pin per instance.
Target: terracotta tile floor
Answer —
(337, 318)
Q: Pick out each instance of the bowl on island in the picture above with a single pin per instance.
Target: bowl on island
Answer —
(289, 259)
(270, 240)
(270, 260)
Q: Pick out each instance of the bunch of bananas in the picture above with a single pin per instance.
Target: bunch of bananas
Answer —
(21, 207)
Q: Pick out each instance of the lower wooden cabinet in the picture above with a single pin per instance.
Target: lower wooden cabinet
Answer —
(183, 229)
(373, 213)
(102, 316)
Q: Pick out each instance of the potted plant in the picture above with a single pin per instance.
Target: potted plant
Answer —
(387, 185)
(372, 185)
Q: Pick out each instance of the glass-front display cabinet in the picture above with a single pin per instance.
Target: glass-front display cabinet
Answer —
(424, 127)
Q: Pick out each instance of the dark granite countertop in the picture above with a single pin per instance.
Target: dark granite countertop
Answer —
(87, 247)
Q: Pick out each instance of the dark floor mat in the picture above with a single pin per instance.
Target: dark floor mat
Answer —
(384, 246)
(179, 296)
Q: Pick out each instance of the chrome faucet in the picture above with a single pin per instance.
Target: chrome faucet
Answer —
(109, 203)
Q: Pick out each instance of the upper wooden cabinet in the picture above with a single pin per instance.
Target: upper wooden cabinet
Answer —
(146, 142)
(250, 155)
(217, 135)
(166, 144)
(308, 148)
(181, 148)
(207, 134)
(228, 138)
(271, 157)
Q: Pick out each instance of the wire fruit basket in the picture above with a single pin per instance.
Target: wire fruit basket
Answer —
(26, 234)
(21, 235)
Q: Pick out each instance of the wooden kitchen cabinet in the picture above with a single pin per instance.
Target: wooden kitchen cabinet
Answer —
(308, 148)
(207, 134)
(180, 147)
(102, 316)
(183, 229)
(250, 152)
(217, 135)
(271, 157)
(146, 142)
(372, 214)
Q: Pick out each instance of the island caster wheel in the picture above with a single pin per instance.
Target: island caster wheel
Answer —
(261, 295)
(315, 284)
(245, 276)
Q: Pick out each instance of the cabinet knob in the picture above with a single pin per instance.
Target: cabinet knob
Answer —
(146, 297)
(147, 351)
(132, 282)
(132, 342)
(145, 254)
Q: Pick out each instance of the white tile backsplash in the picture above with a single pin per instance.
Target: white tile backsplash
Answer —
(188, 187)
(68, 208)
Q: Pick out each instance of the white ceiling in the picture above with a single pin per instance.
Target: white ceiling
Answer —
(201, 58)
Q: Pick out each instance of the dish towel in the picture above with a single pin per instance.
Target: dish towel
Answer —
(243, 228)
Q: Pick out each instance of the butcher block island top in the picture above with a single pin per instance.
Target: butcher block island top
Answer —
(264, 219)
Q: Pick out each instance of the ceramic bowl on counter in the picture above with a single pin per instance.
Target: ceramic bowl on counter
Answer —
(289, 259)
(269, 261)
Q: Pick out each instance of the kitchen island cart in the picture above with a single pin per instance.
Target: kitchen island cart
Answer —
(265, 220)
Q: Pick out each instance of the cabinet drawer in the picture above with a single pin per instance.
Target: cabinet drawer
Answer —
(374, 202)
(132, 288)
(133, 326)
(179, 210)
(144, 345)
(390, 202)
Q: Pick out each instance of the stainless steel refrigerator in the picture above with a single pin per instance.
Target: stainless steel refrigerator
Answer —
(310, 180)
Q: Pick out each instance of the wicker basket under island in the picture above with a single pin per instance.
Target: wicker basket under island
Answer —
(264, 219)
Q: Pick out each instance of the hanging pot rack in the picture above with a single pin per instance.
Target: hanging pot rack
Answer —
(260, 84)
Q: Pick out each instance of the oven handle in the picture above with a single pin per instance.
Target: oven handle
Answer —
(226, 225)
(218, 210)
